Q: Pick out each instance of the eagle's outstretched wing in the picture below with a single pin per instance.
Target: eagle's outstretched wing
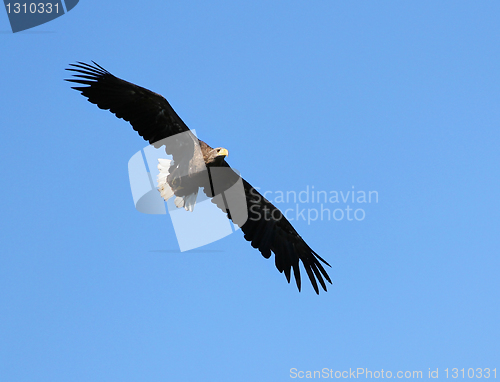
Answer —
(154, 119)
(149, 113)
(268, 230)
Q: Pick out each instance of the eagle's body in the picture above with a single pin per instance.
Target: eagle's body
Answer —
(155, 120)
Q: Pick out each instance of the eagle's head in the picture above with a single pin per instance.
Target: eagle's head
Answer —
(216, 156)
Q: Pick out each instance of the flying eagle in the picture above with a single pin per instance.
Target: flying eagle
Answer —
(156, 121)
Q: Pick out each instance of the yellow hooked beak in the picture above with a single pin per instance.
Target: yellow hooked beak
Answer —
(223, 153)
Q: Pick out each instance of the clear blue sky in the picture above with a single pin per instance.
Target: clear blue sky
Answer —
(396, 97)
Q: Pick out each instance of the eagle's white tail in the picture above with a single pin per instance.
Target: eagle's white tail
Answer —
(166, 191)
